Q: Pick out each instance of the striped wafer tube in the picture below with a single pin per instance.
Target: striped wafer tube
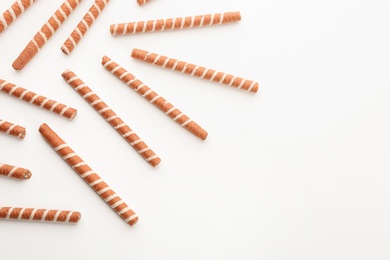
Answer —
(88, 175)
(195, 70)
(142, 2)
(174, 23)
(111, 117)
(14, 172)
(153, 98)
(45, 33)
(37, 100)
(83, 26)
(47, 215)
(12, 129)
(16, 9)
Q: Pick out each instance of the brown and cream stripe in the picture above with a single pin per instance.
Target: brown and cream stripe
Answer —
(111, 117)
(47, 215)
(195, 70)
(47, 30)
(154, 98)
(12, 129)
(37, 100)
(142, 2)
(16, 9)
(88, 175)
(84, 25)
(174, 23)
(14, 172)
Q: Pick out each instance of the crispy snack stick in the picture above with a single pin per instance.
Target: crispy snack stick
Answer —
(46, 32)
(37, 100)
(153, 98)
(115, 121)
(142, 2)
(12, 129)
(88, 175)
(174, 23)
(13, 12)
(83, 26)
(14, 172)
(47, 215)
(195, 70)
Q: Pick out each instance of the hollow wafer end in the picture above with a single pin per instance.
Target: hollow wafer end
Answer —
(27, 175)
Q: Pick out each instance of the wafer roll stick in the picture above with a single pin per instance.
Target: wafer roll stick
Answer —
(195, 70)
(12, 129)
(174, 23)
(111, 117)
(83, 26)
(14, 172)
(47, 215)
(153, 98)
(88, 175)
(16, 9)
(142, 2)
(37, 100)
(46, 32)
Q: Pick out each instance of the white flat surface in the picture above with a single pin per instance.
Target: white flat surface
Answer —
(299, 170)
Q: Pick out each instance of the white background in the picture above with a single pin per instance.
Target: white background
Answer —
(299, 170)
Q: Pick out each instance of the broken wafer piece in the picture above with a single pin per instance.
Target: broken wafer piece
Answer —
(12, 129)
(88, 175)
(37, 100)
(174, 23)
(45, 33)
(195, 70)
(111, 117)
(155, 99)
(14, 172)
(16, 9)
(33, 214)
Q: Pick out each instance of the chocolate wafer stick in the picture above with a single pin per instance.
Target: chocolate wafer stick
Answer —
(142, 2)
(88, 175)
(37, 100)
(46, 32)
(83, 26)
(12, 129)
(195, 70)
(174, 23)
(113, 119)
(47, 215)
(153, 98)
(16, 9)
(14, 172)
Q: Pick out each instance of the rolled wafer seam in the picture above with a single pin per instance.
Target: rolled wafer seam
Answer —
(45, 33)
(195, 70)
(37, 100)
(142, 2)
(14, 172)
(12, 129)
(154, 98)
(13, 12)
(111, 117)
(88, 175)
(34, 214)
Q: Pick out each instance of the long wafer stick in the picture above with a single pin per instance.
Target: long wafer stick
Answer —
(37, 100)
(83, 26)
(47, 215)
(88, 175)
(142, 2)
(174, 23)
(195, 70)
(155, 99)
(45, 33)
(10, 15)
(12, 129)
(111, 117)
(14, 172)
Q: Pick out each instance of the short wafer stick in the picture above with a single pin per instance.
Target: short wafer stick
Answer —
(12, 129)
(83, 26)
(142, 2)
(195, 70)
(16, 9)
(45, 33)
(37, 100)
(88, 175)
(111, 117)
(153, 98)
(33, 214)
(14, 172)
(174, 23)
